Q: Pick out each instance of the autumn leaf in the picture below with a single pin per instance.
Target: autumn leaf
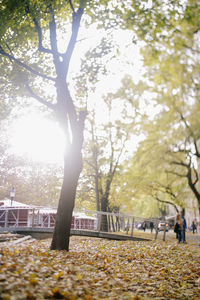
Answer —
(100, 269)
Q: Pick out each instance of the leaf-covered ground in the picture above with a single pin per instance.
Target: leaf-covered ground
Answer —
(100, 269)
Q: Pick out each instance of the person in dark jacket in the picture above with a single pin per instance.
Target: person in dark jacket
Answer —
(144, 226)
(194, 227)
(178, 229)
(151, 226)
(184, 228)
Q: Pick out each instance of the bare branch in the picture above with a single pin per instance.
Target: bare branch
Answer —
(193, 185)
(118, 158)
(9, 48)
(177, 174)
(120, 153)
(76, 19)
(23, 65)
(197, 176)
(193, 50)
(54, 46)
(185, 122)
(70, 2)
(181, 163)
(39, 99)
(167, 202)
(190, 131)
(196, 149)
(39, 31)
(196, 31)
(165, 188)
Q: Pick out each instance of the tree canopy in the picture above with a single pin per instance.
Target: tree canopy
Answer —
(37, 44)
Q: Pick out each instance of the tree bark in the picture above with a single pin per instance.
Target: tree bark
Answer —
(104, 208)
(61, 235)
(105, 203)
(192, 185)
(72, 170)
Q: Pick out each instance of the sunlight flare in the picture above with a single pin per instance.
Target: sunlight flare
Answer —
(38, 138)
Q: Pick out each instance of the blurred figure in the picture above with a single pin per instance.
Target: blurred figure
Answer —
(144, 226)
(151, 226)
(178, 229)
(194, 226)
(184, 227)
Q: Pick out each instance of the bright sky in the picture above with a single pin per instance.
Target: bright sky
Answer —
(38, 138)
(41, 139)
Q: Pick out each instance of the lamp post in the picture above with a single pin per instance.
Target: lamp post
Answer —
(12, 195)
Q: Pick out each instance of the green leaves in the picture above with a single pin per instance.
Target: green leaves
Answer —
(170, 54)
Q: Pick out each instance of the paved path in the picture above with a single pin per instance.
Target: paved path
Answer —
(41, 233)
(191, 239)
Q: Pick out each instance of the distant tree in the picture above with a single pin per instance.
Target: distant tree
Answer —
(170, 48)
(175, 56)
(105, 150)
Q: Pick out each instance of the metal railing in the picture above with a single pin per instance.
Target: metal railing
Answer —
(81, 220)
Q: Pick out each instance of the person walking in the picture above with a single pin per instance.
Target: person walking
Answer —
(183, 237)
(194, 227)
(144, 225)
(178, 229)
(151, 226)
(176, 226)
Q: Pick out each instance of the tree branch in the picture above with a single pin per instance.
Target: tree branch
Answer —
(165, 189)
(190, 131)
(177, 174)
(39, 99)
(185, 122)
(39, 31)
(181, 163)
(80, 129)
(118, 158)
(196, 149)
(193, 186)
(167, 202)
(76, 19)
(23, 65)
(54, 46)
(70, 2)
(197, 176)
(193, 50)
(120, 153)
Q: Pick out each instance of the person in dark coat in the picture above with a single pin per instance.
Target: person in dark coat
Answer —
(194, 227)
(184, 227)
(177, 227)
(151, 226)
(144, 225)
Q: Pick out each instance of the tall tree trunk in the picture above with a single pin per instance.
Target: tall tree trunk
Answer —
(96, 168)
(72, 170)
(105, 203)
(61, 235)
(104, 208)
(192, 185)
